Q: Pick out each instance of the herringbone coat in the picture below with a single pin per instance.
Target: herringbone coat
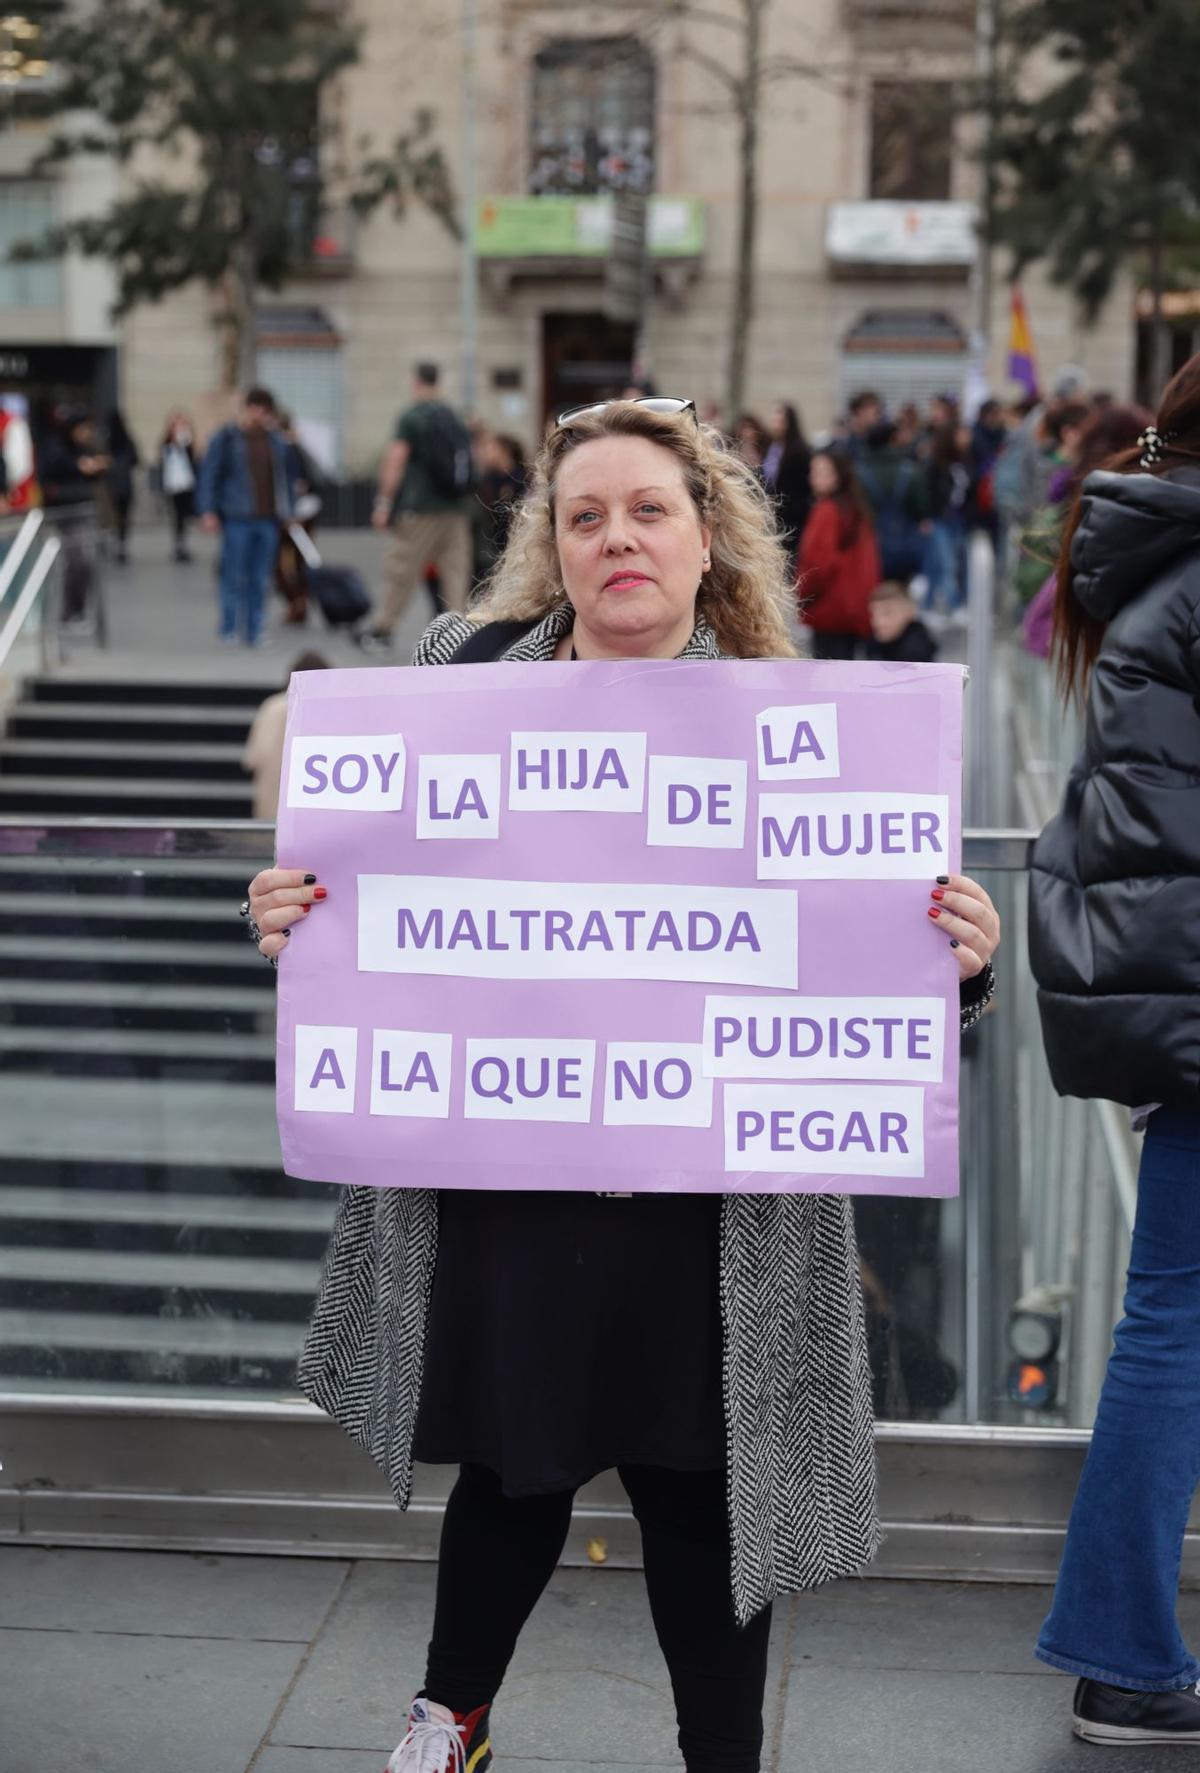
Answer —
(801, 1453)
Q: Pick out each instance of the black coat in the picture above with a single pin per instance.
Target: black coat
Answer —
(1115, 891)
(793, 494)
(915, 646)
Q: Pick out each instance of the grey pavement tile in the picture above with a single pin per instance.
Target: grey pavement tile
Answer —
(115, 1704)
(895, 1722)
(587, 1683)
(959, 1626)
(921, 1625)
(176, 1594)
(162, 618)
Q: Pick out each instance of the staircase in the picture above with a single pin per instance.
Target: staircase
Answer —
(128, 750)
(147, 1235)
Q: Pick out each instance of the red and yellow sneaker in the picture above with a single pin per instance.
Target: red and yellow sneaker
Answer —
(443, 1741)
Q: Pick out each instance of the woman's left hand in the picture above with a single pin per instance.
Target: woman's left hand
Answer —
(964, 912)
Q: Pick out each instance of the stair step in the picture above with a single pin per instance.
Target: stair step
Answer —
(117, 917)
(112, 1041)
(191, 879)
(130, 906)
(234, 1059)
(66, 1330)
(137, 1003)
(115, 760)
(157, 1180)
(131, 994)
(102, 1206)
(177, 960)
(153, 797)
(102, 720)
(144, 1237)
(126, 1268)
(144, 693)
(174, 1134)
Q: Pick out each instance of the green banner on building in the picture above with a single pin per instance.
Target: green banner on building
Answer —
(581, 227)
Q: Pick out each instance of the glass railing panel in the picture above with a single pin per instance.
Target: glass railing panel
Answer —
(151, 1244)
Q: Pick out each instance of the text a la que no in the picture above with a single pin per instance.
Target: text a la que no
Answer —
(689, 801)
(852, 1125)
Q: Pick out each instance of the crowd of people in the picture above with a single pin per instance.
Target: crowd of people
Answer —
(883, 500)
(258, 487)
(876, 514)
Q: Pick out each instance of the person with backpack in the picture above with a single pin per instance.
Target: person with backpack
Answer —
(894, 483)
(424, 483)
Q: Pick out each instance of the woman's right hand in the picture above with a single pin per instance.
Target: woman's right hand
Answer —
(280, 897)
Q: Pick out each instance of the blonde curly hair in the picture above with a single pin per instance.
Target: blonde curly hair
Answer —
(745, 595)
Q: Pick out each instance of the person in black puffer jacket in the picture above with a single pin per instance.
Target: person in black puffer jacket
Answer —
(1115, 949)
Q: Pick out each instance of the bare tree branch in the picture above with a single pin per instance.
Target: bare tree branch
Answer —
(702, 15)
(782, 68)
(711, 65)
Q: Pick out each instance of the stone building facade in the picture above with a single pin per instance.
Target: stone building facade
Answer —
(865, 241)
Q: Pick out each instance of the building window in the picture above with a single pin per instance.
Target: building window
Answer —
(26, 214)
(912, 140)
(291, 163)
(22, 69)
(593, 118)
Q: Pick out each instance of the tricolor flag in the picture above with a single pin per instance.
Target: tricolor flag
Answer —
(1022, 365)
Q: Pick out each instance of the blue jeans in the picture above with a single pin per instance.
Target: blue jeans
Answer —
(1114, 1616)
(248, 549)
(945, 563)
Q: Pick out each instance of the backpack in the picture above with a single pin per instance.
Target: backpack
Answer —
(444, 451)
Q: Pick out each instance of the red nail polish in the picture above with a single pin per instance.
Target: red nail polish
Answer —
(306, 909)
(320, 892)
(937, 893)
(934, 912)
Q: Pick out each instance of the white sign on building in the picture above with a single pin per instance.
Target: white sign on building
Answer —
(886, 233)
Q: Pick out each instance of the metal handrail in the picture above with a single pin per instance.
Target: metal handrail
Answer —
(23, 542)
(30, 593)
(1004, 850)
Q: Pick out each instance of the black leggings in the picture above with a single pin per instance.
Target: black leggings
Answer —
(499, 1552)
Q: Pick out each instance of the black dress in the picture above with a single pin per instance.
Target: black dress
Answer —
(569, 1333)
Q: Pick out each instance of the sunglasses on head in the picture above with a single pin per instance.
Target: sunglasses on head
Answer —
(653, 402)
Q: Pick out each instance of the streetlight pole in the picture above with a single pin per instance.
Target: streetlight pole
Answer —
(468, 264)
(982, 268)
(981, 318)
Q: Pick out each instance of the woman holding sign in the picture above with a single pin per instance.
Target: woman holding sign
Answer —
(710, 1347)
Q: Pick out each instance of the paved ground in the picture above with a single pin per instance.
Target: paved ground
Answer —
(162, 617)
(144, 1662)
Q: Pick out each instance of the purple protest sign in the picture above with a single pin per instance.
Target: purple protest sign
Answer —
(648, 926)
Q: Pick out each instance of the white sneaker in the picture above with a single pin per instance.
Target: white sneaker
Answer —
(439, 1741)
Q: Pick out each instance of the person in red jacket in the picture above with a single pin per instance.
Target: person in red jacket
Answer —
(838, 564)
